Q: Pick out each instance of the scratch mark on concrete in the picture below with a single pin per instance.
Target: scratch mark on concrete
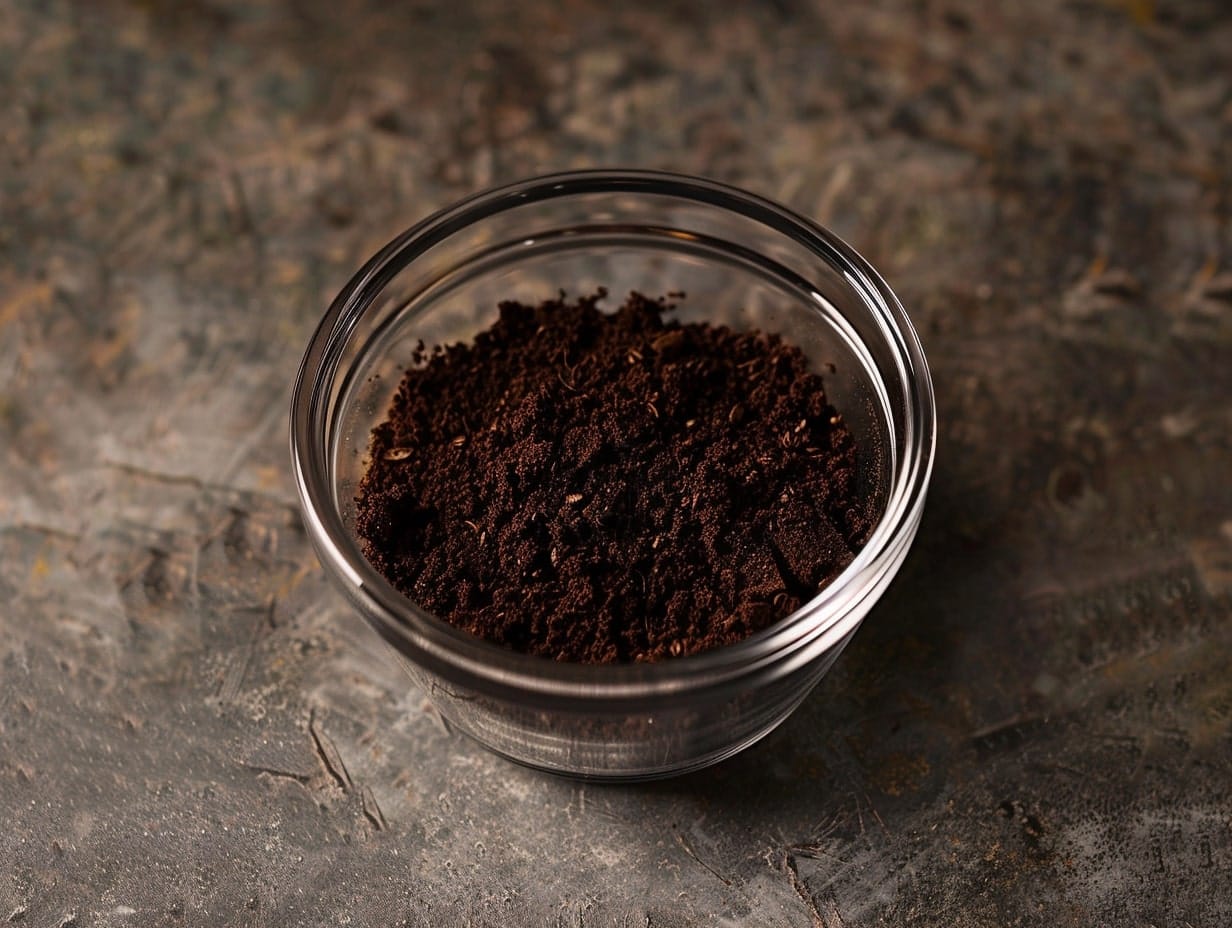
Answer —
(191, 480)
(434, 713)
(233, 679)
(146, 473)
(836, 920)
(1008, 726)
(872, 808)
(793, 877)
(813, 851)
(688, 849)
(371, 810)
(328, 753)
(830, 918)
(40, 529)
(275, 772)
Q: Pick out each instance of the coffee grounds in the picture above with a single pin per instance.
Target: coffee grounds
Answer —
(600, 488)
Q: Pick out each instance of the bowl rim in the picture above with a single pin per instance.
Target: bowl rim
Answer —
(462, 659)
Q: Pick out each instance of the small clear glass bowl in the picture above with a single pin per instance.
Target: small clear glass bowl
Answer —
(742, 261)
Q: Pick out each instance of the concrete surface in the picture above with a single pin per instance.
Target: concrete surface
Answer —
(1034, 728)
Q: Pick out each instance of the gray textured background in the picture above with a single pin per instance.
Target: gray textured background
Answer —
(1034, 728)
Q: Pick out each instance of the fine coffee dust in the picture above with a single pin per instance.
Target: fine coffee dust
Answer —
(600, 488)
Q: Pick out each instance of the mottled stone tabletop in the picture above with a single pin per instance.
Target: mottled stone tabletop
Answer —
(1035, 726)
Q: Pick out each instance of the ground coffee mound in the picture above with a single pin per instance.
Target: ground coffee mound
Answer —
(599, 488)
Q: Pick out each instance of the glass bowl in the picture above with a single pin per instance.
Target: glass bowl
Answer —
(743, 261)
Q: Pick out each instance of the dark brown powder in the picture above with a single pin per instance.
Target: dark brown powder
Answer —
(599, 488)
